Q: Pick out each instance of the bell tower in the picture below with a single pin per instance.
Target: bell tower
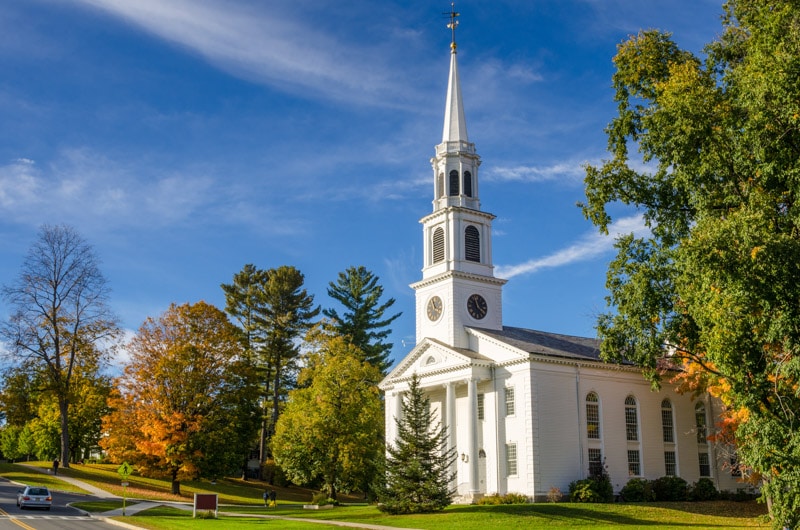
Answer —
(458, 287)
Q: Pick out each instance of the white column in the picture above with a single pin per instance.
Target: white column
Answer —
(472, 438)
(450, 421)
(398, 414)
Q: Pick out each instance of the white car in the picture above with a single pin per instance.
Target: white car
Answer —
(34, 497)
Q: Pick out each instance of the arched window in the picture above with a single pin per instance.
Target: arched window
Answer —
(472, 244)
(438, 245)
(700, 423)
(440, 186)
(454, 182)
(667, 425)
(468, 184)
(592, 416)
(631, 420)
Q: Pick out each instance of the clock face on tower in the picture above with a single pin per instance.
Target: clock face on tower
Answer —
(476, 306)
(435, 307)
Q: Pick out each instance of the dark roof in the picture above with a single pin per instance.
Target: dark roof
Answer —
(550, 344)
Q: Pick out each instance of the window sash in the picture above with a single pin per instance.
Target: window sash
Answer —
(511, 459)
(634, 463)
(670, 464)
(509, 397)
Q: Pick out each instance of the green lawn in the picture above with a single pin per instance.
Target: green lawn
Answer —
(244, 497)
(656, 516)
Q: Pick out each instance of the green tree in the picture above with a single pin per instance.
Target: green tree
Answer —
(359, 292)
(419, 467)
(184, 409)
(274, 312)
(714, 287)
(60, 319)
(330, 428)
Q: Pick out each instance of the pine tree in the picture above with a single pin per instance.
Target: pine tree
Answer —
(419, 467)
(357, 289)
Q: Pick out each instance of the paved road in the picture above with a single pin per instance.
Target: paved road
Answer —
(59, 516)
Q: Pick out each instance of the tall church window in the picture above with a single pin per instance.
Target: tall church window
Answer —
(510, 406)
(481, 410)
(667, 425)
(595, 462)
(592, 416)
(634, 463)
(631, 420)
(670, 464)
(511, 459)
(438, 245)
(468, 184)
(700, 423)
(440, 185)
(705, 465)
(454, 182)
(472, 244)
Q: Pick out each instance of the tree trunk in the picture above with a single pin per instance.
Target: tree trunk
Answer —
(176, 485)
(63, 409)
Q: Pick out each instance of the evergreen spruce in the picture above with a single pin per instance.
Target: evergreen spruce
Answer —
(363, 320)
(419, 467)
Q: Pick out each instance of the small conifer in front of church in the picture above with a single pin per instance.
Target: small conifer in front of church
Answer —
(419, 467)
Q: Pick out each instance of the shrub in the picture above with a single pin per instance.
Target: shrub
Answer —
(491, 500)
(554, 495)
(591, 490)
(515, 498)
(509, 498)
(703, 490)
(670, 489)
(322, 499)
(637, 490)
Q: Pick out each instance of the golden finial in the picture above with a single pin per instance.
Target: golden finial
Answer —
(452, 24)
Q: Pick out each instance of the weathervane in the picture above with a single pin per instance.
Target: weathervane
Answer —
(453, 23)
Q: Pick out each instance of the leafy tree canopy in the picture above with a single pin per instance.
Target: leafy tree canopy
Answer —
(331, 428)
(713, 288)
(60, 322)
(184, 409)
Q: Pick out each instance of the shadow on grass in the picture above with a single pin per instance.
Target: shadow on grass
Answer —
(616, 513)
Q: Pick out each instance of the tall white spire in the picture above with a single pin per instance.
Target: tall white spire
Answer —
(455, 125)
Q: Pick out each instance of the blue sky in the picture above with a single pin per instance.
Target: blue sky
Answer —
(186, 138)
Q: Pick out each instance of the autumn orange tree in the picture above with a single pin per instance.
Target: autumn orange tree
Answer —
(183, 409)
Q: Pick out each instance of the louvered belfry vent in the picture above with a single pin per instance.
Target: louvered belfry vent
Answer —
(468, 184)
(454, 182)
(472, 244)
(438, 245)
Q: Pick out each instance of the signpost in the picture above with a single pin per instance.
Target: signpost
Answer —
(124, 470)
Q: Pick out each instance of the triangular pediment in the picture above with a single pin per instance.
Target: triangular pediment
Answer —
(432, 358)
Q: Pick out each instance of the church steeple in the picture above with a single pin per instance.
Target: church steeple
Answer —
(455, 125)
(458, 288)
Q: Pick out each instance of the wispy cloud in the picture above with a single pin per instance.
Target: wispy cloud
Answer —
(275, 43)
(591, 245)
(569, 172)
(83, 185)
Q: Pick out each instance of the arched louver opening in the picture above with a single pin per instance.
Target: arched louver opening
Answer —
(454, 182)
(472, 244)
(468, 184)
(438, 245)
(440, 186)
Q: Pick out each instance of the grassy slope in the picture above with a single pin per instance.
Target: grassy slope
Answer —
(247, 497)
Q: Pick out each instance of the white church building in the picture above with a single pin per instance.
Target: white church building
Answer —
(527, 410)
